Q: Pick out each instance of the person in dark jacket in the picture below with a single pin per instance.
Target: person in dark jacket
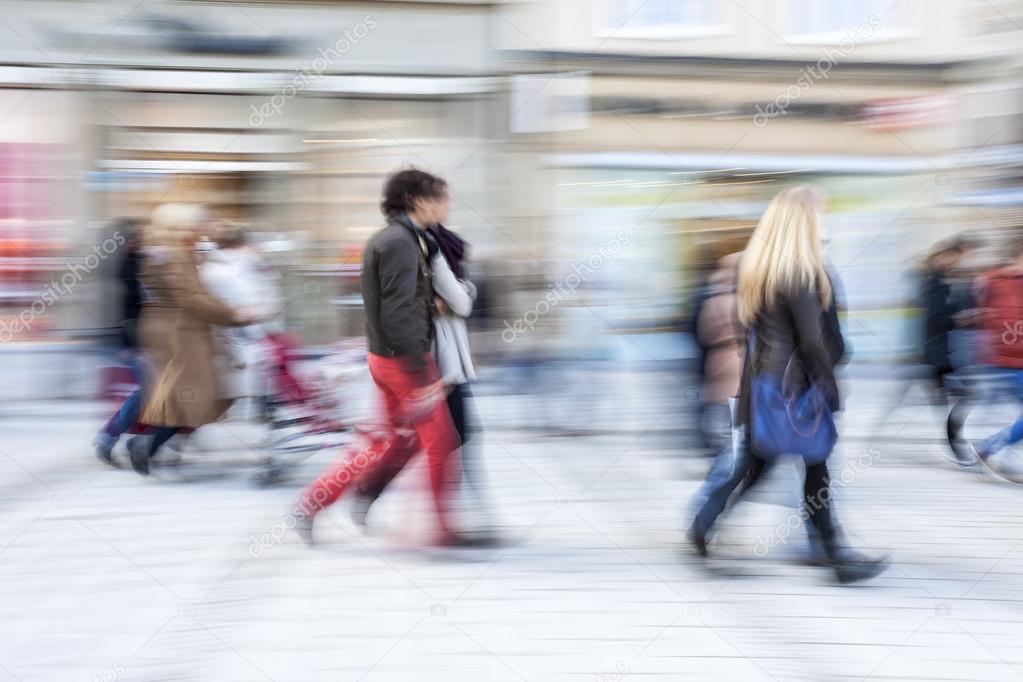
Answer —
(131, 306)
(453, 355)
(787, 304)
(399, 299)
(943, 312)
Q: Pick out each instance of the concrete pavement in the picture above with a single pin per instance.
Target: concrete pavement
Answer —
(105, 576)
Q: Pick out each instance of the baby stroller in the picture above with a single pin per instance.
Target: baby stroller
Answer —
(311, 402)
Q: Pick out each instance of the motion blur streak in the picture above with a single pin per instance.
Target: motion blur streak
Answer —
(189, 193)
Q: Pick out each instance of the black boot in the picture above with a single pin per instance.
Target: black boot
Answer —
(851, 567)
(138, 453)
(698, 541)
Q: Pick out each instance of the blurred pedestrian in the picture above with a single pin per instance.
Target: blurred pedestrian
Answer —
(1001, 296)
(705, 264)
(130, 310)
(720, 335)
(182, 313)
(235, 273)
(398, 297)
(784, 294)
(943, 314)
(455, 296)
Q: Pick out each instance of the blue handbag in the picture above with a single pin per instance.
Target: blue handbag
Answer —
(787, 422)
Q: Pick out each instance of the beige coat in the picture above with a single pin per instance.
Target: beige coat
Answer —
(186, 392)
(718, 330)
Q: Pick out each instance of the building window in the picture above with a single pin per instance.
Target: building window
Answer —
(834, 20)
(660, 18)
(992, 17)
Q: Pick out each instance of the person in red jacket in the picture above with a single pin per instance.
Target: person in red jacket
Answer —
(1002, 304)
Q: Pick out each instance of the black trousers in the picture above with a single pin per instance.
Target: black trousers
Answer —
(946, 395)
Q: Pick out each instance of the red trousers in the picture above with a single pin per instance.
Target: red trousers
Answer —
(414, 422)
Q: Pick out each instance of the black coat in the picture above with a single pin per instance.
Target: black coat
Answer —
(794, 329)
(397, 292)
(939, 309)
(131, 301)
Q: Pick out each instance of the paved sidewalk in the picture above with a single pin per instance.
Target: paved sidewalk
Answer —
(104, 576)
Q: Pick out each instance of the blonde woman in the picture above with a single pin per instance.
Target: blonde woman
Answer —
(176, 330)
(787, 304)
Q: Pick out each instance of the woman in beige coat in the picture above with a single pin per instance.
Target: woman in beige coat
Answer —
(182, 313)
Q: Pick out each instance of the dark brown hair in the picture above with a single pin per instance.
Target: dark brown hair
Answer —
(404, 187)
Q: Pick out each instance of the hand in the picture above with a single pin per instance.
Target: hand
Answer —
(422, 400)
(247, 316)
(427, 393)
(441, 306)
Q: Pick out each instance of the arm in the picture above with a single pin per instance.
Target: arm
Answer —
(710, 325)
(398, 273)
(194, 298)
(129, 271)
(447, 286)
(833, 339)
(939, 308)
(808, 324)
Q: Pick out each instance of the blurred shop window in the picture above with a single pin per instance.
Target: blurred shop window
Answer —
(995, 17)
(832, 21)
(36, 187)
(660, 18)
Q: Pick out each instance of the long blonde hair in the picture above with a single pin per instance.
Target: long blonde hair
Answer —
(785, 250)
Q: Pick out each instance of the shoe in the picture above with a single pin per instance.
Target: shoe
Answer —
(304, 527)
(466, 541)
(359, 511)
(814, 556)
(698, 541)
(166, 456)
(138, 453)
(967, 454)
(485, 538)
(1006, 465)
(851, 567)
(104, 447)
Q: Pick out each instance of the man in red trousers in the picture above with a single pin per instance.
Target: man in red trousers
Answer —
(398, 299)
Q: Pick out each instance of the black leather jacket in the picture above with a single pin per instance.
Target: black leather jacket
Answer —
(397, 292)
(794, 328)
(939, 314)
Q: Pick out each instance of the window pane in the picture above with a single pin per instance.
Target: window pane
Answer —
(837, 16)
(659, 13)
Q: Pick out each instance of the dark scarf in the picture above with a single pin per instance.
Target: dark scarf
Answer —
(453, 248)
